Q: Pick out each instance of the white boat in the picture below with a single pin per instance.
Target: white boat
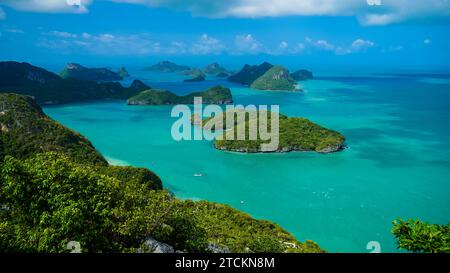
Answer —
(198, 174)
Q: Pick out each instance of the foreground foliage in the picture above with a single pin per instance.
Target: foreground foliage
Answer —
(55, 188)
(419, 236)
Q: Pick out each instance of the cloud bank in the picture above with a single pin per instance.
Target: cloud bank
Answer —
(389, 11)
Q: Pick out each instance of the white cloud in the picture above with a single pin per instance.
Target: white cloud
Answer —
(2, 14)
(388, 12)
(392, 48)
(50, 6)
(207, 45)
(358, 45)
(247, 44)
(86, 35)
(100, 44)
(15, 30)
(284, 45)
(61, 34)
(361, 45)
(320, 44)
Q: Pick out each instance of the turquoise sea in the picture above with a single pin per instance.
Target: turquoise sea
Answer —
(397, 163)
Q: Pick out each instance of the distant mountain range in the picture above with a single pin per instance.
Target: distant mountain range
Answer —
(79, 72)
(166, 66)
(49, 88)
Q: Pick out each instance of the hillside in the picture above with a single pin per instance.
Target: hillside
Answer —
(166, 66)
(249, 73)
(276, 78)
(122, 72)
(59, 189)
(79, 72)
(216, 70)
(214, 95)
(49, 88)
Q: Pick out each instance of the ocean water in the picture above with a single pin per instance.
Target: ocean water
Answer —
(397, 163)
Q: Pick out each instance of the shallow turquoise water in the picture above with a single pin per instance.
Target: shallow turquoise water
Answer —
(397, 163)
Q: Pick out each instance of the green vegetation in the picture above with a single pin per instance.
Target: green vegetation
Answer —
(295, 134)
(302, 75)
(276, 78)
(249, 73)
(79, 72)
(49, 88)
(216, 70)
(214, 95)
(122, 72)
(58, 189)
(197, 78)
(166, 66)
(26, 131)
(419, 236)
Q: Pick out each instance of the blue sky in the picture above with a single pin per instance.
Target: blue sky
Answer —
(396, 33)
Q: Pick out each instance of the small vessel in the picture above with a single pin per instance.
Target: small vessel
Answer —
(198, 174)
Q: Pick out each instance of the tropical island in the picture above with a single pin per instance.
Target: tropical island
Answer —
(166, 66)
(122, 72)
(214, 95)
(216, 70)
(295, 134)
(265, 77)
(302, 75)
(79, 72)
(56, 188)
(46, 87)
(249, 73)
(276, 78)
(197, 78)
(196, 74)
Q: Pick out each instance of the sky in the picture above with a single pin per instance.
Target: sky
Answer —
(310, 33)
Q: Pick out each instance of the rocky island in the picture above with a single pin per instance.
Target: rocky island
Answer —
(197, 75)
(249, 73)
(214, 95)
(302, 75)
(79, 72)
(122, 72)
(295, 134)
(49, 88)
(216, 70)
(166, 66)
(276, 78)
(197, 78)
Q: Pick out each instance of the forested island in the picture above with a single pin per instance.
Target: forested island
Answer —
(214, 95)
(166, 66)
(269, 77)
(79, 72)
(295, 134)
(276, 78)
